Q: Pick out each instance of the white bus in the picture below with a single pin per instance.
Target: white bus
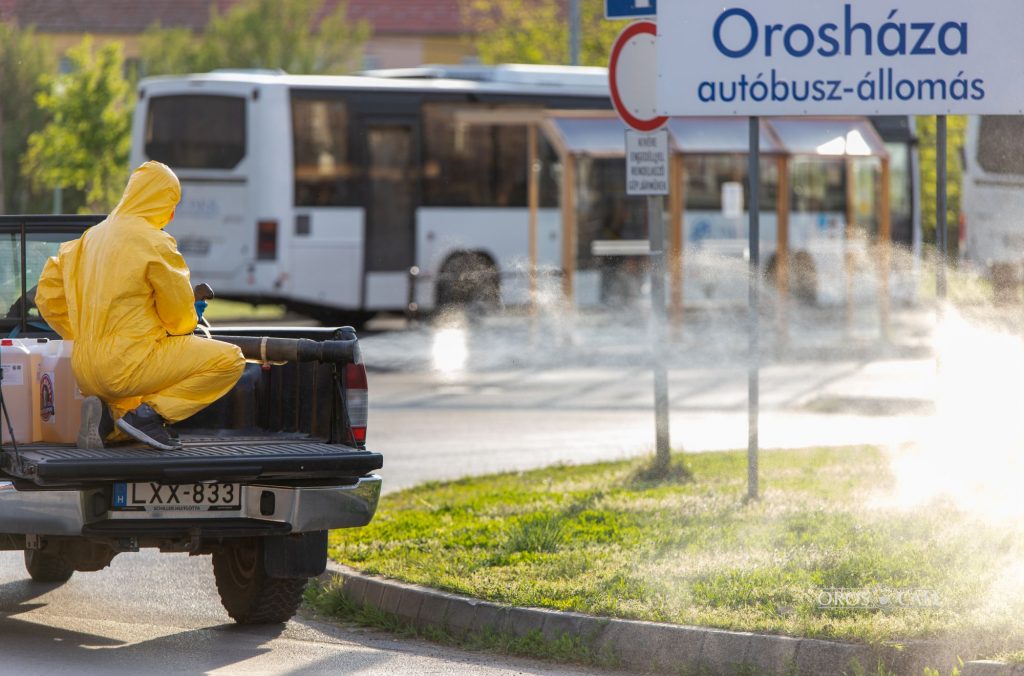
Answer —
(323, 193)
(992, 198)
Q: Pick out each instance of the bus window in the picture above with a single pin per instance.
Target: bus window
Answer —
(1001, 144)
(196, 131)
(324, 176)
(471, 165)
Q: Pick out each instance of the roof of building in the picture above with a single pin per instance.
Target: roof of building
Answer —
(133, 16)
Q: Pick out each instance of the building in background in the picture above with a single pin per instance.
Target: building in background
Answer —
(405, 32)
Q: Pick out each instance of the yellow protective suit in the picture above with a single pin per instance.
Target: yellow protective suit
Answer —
(122, 292)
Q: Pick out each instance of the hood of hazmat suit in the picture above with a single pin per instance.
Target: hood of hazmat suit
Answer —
(121, 291)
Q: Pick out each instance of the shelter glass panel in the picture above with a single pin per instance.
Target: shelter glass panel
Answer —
(605, 212)
(705, 175)
(818, 185)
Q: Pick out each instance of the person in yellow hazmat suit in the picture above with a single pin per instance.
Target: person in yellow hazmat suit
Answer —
(122, 292)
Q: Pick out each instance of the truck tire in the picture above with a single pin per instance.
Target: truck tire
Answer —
(246, 591)
(46, 567)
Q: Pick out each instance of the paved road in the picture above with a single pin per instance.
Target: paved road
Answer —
(516, 402)
(446, 402)
(151, 613)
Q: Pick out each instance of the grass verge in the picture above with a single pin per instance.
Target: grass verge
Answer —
(221, 310)
(600, 539)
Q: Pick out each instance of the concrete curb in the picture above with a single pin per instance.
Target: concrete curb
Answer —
(644, 646)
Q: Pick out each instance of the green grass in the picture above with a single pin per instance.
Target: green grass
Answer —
(600, 539)
(221, 310)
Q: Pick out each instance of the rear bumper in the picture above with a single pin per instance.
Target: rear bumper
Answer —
(282, 509)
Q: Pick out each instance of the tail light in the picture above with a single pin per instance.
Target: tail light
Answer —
(266, 240)
(963, 231)
(357, 399)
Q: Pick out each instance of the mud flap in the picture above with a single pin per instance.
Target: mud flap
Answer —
(301, 555)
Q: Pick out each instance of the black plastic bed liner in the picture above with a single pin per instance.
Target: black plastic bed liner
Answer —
(200, 459)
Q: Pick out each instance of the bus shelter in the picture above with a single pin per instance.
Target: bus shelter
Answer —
(836, 169)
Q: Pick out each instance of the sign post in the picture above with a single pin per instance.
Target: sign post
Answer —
(631, 82)
(754, 306)
(836, 57)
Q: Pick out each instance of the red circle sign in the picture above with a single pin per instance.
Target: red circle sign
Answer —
(631, 31)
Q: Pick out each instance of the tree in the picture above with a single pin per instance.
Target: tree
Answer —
(24, 57)
(926, 134)
(537, 31)
(261, 34)
(85, 144)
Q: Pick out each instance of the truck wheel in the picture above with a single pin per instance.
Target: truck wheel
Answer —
(47, 567)
(248, 594)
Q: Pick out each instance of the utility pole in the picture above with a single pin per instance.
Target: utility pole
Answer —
(574, 32)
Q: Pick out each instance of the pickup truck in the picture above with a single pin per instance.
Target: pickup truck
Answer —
(261, 477)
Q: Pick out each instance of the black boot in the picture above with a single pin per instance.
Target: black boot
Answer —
(146, 425)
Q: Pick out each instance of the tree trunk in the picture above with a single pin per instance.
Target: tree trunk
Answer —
(3, 206)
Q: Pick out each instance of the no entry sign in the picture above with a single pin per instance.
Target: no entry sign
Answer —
(633, 76)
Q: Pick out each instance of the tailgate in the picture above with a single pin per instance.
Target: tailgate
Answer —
(199, 459)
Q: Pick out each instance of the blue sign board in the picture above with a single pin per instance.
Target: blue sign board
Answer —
(629, 9)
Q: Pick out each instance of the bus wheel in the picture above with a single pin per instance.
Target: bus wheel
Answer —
(469, 282)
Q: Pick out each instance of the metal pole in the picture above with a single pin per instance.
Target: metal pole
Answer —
(656, 235)
(754, 302)
(940, 209)
(574, 32)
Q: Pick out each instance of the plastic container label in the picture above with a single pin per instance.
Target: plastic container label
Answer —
(47, 410)
(14, 375)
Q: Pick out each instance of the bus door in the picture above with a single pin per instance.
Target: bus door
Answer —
(392, 194)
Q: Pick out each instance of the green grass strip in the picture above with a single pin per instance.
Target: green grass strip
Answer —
(684, 546)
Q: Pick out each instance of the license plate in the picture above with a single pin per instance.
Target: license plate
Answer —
(197, 497)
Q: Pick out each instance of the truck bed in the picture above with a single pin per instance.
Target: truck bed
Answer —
(290, 457)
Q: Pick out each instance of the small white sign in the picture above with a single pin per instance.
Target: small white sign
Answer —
(838, 57)
(732, 199)
(647, 158)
